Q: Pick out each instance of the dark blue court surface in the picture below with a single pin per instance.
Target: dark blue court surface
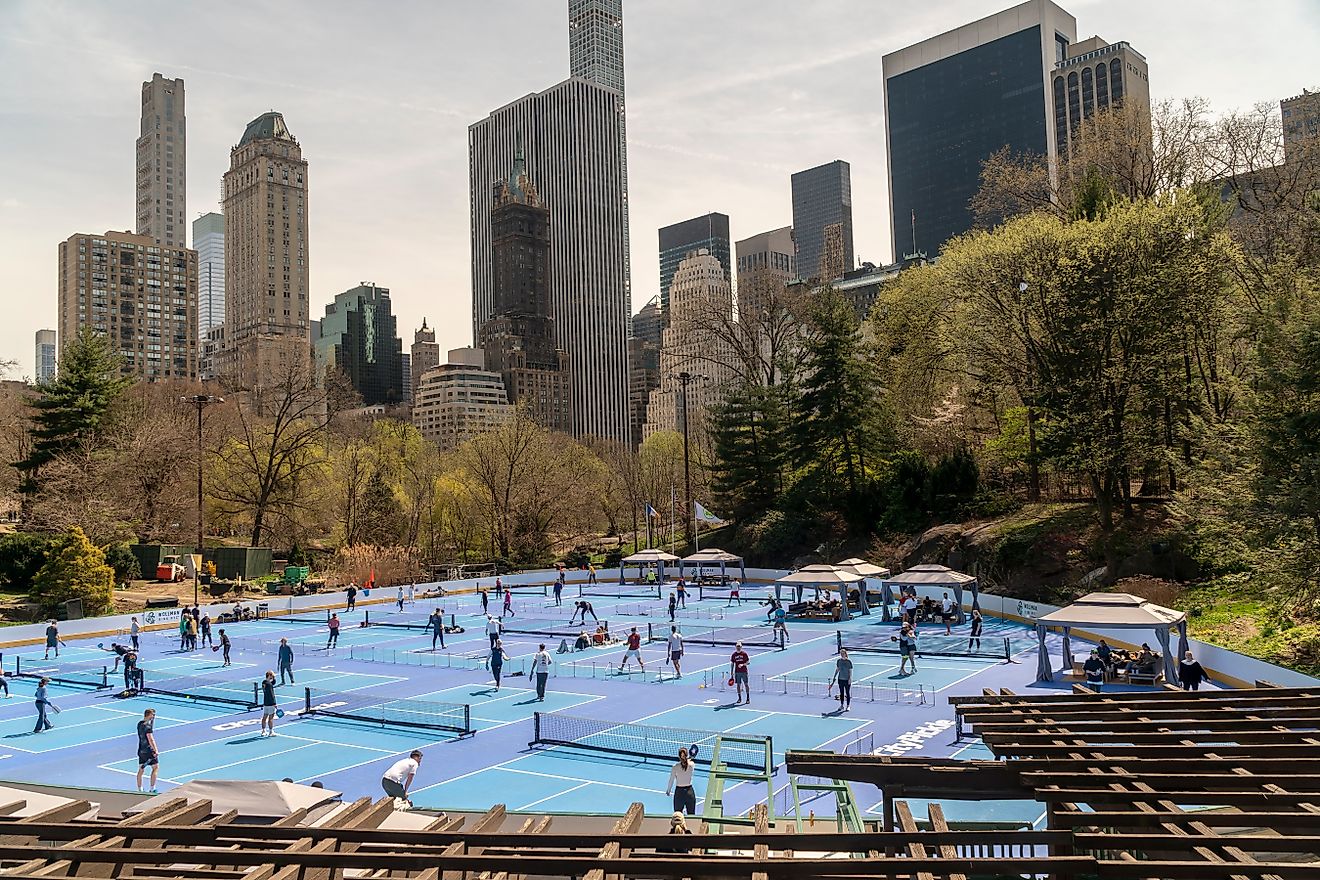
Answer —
(475, 737)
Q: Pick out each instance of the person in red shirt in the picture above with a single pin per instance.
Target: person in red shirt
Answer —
(738, 664)
(634, 651)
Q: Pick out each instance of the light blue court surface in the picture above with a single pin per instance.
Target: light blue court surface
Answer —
(94, 743)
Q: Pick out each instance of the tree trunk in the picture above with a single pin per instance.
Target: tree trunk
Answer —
(1033, 465)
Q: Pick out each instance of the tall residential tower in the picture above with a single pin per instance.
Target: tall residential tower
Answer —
(266, 332)
(162, 153)
(208, 235)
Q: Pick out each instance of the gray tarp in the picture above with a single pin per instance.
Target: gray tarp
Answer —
(1043, 671)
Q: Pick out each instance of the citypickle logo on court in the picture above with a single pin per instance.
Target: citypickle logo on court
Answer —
(915, 740)
(248, 722)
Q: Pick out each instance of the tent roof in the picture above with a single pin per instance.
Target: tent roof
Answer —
(650, 556)
(931, 574)
(820, 574)
(1119, 610)
(252, 800)
(712, 554)
(864, 568)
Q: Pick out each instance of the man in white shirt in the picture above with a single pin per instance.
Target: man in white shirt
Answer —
(676, 650)
(492, 629)
(946, 614)
(401, 775)
(541, 668)
(910, 608)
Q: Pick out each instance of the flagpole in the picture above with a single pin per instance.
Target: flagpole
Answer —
(648, 525)
(696, 527)
(673, 514)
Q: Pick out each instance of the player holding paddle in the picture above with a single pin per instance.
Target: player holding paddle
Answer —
(738, 663)
(843, 668)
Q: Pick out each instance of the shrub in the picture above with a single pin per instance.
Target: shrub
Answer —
(121, 559)
(22, 556)
(76, 570)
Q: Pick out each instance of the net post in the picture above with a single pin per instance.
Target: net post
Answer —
(255, 700)
(105, 677)
(838, 640)
(467, 718)
(366, 617)
(18, 665)
(1007, 650)
(307, 701)
(536, 729)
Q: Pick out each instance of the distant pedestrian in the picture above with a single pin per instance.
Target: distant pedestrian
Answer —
(197, 613)
(285, 661)
(184, 620)
(541, 667)
(682, 593)
(4, 685)
(268, 704)
(399, 597)
(739, 668)
(399, 777)
(148, 751)
(485, 600)
(909, 607)
(946, 614)
(591, 573)
(224, 647)
(675, 648)
(1191, 673)
(44, 704)
(333, 641)
(843, 668)
(673, 607)
(634, 651)
(134, 632)
(583, 608)
(974, 637)
(497, 658)
(735, 594)
(680, 783)
(192, 632)
(499, 587)
(559, 589)
(412, 593)
(436, 623)
(206, 631)
(508, 603)
(1094, 669)
(52, 639)
(492, 630)
(352, 597)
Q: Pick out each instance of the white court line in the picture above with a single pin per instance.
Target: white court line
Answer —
(553, 796)
(562, 778)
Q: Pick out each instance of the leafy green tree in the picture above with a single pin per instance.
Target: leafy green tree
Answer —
(76, 570)
(22, 556)
(121, 559)
(74, 408)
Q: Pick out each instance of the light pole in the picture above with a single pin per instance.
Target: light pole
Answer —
(201, 401)
(689, 512)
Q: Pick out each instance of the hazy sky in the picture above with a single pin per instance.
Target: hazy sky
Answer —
(726, 98)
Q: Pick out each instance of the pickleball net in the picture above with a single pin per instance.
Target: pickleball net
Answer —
(390, 712)
(719, 636)
(202, 689)
(85, 673)
(619, 591)
(407, 619)
(885, 642)
(659, 743)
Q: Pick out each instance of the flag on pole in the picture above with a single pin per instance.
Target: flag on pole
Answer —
(705, 516)
(651, 512)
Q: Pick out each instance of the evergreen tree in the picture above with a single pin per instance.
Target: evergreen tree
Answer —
(76, 570)
(749, 431)
(75, 407)
(838, 430)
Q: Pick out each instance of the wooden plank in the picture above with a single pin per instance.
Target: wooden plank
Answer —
(903, 815)
(761, 825)
(627, 824)
(937, 822)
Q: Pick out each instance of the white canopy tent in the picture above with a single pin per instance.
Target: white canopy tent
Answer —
(642, 558)
(822, 575)
(866, 570)
(713, 556)
(932, 575)
(1113, 611)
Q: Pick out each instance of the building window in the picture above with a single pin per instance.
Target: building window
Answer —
(1102, 86)
(1116, 81)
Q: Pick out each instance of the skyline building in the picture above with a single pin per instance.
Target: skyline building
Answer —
(766, 262)
(162, 156)
(1092, 77)
(266, 329)
(1301, 122)
(570, 134)
(822, 220)
(140, 295)
(359, 337)
(208, 236)
(519, 338)
(699, 294)
(460, 399)
(710, 231)
(643, 365)
(423, 355)
(46, 357)
(952, 101)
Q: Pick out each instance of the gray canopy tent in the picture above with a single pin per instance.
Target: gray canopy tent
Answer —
(866, 570)
(1113, 611)
(932, 575)
(713, 556)
(643, 558)
(821, 575)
